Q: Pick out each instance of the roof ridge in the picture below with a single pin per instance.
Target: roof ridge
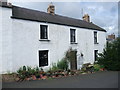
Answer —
(50, 14)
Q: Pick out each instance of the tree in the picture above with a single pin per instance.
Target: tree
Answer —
(110, 58)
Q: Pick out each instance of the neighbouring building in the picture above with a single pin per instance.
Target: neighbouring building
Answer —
(111, 38)
(35, 38)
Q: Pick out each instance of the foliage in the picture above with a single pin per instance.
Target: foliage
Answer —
(63, 64)
(97, 67)
(85, 67)
(22, 72)
(110, 57)
(54, 67)
(26, 72)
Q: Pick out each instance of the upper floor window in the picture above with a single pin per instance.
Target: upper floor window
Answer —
(43, 32)
(72, 36)
(95, 37)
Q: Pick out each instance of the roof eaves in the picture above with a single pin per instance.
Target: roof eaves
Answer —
(55, 23)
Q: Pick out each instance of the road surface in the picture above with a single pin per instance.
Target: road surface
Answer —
(107, 79)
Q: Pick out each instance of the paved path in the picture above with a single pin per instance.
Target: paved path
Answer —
(108, 79)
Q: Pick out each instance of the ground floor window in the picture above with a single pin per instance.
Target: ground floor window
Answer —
(95, 54)
(43, 58)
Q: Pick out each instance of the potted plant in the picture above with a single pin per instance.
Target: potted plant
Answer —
(33, 74)
(33, 77)
(37, 75)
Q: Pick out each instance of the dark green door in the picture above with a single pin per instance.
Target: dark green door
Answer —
(73, 61)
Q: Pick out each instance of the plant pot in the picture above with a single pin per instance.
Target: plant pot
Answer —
(38, 78)
(59, 76)
(41, 75)
(17, 79)
(44, 77)
(27, 79)
(65, 75)
(53, 76)
(34, 77)
(102, 69)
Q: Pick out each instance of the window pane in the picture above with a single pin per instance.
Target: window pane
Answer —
(43, 32)
(72, 35)
(96, 52)
(43, 58)
(95, 37)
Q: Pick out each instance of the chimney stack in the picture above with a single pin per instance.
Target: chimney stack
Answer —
(112, 36)
(51, 9)
(86, 18)
(4, 3)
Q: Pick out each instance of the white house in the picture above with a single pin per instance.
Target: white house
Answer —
(35, 38)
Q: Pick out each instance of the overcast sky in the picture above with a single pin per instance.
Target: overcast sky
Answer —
(103, 14)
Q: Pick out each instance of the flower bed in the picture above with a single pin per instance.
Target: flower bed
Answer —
(41, 76)
(28, 73)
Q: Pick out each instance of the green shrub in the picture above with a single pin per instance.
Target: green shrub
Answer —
(27, 71)
(22, 74)
(110, 57)
(37, 69)
(54, 67)
(96, 67)
(63, 64)
(85, 67)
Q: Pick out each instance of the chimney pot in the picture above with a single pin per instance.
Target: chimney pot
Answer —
(112, 36)
(86, 18)
(51, 9)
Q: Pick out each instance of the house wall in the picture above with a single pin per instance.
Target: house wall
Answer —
(20, 43)
(6, 41)
(0, 40)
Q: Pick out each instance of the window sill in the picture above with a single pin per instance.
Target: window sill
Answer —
(73, 43)
(44, 40)
(96, 43)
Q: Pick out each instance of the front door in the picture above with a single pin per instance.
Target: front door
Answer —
(73, 61)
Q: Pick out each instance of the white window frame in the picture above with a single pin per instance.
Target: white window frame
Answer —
(75, 36)
(47, 33)
(96, 37)
(48, 57)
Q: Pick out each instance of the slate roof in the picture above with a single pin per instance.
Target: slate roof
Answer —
(28, 14)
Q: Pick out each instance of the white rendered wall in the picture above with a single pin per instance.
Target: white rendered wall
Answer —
(6, 40)
(0, 39)
(21, 43)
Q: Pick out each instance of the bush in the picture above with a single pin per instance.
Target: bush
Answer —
(22, 73)
(26, 72)
(54, 68)
(110, 57)
(97, 67)
(87, 67)
(63, 64)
